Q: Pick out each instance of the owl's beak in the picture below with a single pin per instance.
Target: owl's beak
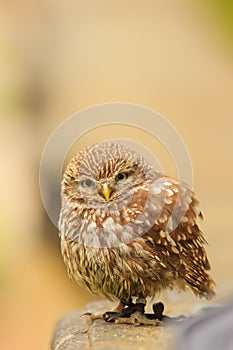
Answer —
(106, 191)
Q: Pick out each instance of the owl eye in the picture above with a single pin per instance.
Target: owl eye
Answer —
(87, 183)
(121, 176)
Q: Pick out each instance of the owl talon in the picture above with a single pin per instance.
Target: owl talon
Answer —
(108, 315)
(93, 316)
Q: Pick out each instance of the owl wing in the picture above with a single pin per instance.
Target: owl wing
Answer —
(177, 241)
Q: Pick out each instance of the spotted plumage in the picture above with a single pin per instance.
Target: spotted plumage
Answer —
(127, 231)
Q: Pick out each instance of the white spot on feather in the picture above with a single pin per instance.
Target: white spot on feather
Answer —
(168, 201)
(170, 225)
(163, 234)
(185, 219)
(167, 183)
(169, 192)
(175, 250)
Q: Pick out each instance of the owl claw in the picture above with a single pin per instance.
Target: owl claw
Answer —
(93, 316)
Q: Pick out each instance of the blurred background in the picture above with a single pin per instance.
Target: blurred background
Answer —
(59, 57)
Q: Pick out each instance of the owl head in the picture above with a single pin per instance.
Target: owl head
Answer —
(104, 174)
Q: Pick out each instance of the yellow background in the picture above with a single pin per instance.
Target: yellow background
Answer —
(60, 57)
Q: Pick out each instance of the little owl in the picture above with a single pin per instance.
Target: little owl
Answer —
(128, 231)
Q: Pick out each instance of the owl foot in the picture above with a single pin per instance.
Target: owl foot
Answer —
(135, 314)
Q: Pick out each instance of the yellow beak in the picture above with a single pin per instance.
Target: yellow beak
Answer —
(106, 192)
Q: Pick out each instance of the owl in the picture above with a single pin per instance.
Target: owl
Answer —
(128, 232)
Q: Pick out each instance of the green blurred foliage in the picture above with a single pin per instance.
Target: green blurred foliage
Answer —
(223, 16)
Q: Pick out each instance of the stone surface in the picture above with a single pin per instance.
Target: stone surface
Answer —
(74, 331)
(211, 330)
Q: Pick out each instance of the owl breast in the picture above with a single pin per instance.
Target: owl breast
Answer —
(123, 271)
